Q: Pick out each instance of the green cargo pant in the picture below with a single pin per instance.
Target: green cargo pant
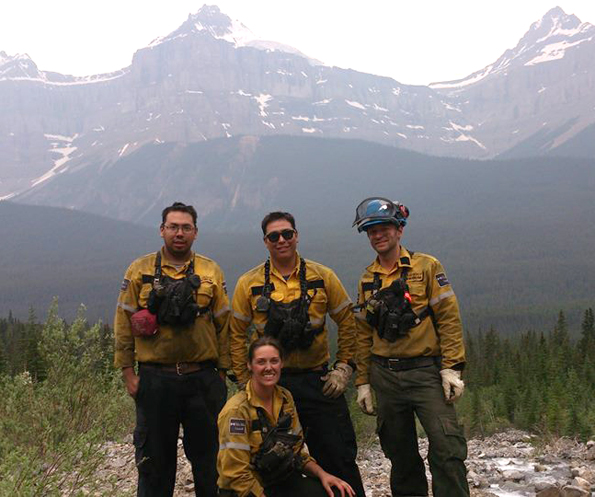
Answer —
(400, 395)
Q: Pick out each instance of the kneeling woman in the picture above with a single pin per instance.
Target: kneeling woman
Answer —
(261, 445)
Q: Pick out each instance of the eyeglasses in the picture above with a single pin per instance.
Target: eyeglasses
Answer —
(174, 228)
(274, 236)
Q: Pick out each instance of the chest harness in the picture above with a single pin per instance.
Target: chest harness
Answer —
(288, 322)
(173, 300)
(275, 459)
(389, 310)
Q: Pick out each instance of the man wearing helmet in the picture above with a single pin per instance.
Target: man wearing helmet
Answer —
(410, 351)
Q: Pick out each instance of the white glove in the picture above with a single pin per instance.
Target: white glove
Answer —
(336, 380)
(364, 399)
(452, 384)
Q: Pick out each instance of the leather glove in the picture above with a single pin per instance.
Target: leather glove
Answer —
(364, 399)
(452, 384)
(336, 380)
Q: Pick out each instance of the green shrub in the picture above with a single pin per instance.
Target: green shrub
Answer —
(51, 431)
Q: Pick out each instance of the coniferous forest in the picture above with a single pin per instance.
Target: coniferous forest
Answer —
(542, 381)
(62, 399)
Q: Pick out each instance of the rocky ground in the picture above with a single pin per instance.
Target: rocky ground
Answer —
(509, 464)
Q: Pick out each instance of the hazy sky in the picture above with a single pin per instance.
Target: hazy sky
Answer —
(413, 41)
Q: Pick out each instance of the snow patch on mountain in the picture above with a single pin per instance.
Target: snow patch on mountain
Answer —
(357, 105)
(262, 101)
(61, 145)
(554, 51)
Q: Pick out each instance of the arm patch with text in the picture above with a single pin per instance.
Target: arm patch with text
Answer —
(124, 285)
(442, 279)
(237, 426)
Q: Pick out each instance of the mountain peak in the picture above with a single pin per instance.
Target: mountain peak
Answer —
(547, 40)
(210, 21)
(554, 22)
(19, 66)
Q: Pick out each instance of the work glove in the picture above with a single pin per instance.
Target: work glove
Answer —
(452, 384)
(364, 399)
(336, 380)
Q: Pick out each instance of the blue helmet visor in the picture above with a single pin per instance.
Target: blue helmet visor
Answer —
(377, 210)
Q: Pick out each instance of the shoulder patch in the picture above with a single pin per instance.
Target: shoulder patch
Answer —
(225, 288)
(124, 285)
(415, 277)
(442, 279)
(237, 426)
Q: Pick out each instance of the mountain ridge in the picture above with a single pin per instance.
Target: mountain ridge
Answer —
(193, 86)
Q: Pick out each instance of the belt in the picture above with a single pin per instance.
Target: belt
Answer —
(180, 368)
(397, 364)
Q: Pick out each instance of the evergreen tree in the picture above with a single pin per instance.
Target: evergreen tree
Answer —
(3, 365)
(587, 341)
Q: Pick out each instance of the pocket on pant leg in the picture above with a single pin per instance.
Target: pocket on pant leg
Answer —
(139, 438)
(455, 438)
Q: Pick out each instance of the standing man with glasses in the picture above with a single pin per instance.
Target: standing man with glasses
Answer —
(410, 351)
(170, 319)
(288, 298)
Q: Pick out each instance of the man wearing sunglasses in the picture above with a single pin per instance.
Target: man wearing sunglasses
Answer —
(410, 351)
(171, 317)
(288, 297)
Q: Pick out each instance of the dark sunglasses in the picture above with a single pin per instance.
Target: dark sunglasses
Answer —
(274, 236)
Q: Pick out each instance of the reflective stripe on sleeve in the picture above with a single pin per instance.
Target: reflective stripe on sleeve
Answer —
(316, 322)
(221, 311)
(234, 445)
(442, 296)
(260, 326)
(127, 307)
(241, 317)
(340, 307)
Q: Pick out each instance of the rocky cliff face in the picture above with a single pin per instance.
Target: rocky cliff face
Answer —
(213, 78)
(537, 95)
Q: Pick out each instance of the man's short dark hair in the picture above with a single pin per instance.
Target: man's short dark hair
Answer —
(179, 207)
(275, 216)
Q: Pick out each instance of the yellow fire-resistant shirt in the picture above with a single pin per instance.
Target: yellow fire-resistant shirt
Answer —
(328, 296)
(428, 286)
(238, 442)
(205, 340)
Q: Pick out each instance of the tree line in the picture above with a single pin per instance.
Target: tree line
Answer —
(543, 381)
(536, 380)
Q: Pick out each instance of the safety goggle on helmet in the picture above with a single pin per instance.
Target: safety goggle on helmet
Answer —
(377, 210)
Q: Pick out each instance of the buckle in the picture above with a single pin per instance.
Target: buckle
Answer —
(179, 368)
(393, 362)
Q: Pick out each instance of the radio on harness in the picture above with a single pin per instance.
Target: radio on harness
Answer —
(275, 460)
(389, 310)
(288, 322)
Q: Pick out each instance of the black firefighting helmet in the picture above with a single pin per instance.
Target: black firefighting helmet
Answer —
(378, 210)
